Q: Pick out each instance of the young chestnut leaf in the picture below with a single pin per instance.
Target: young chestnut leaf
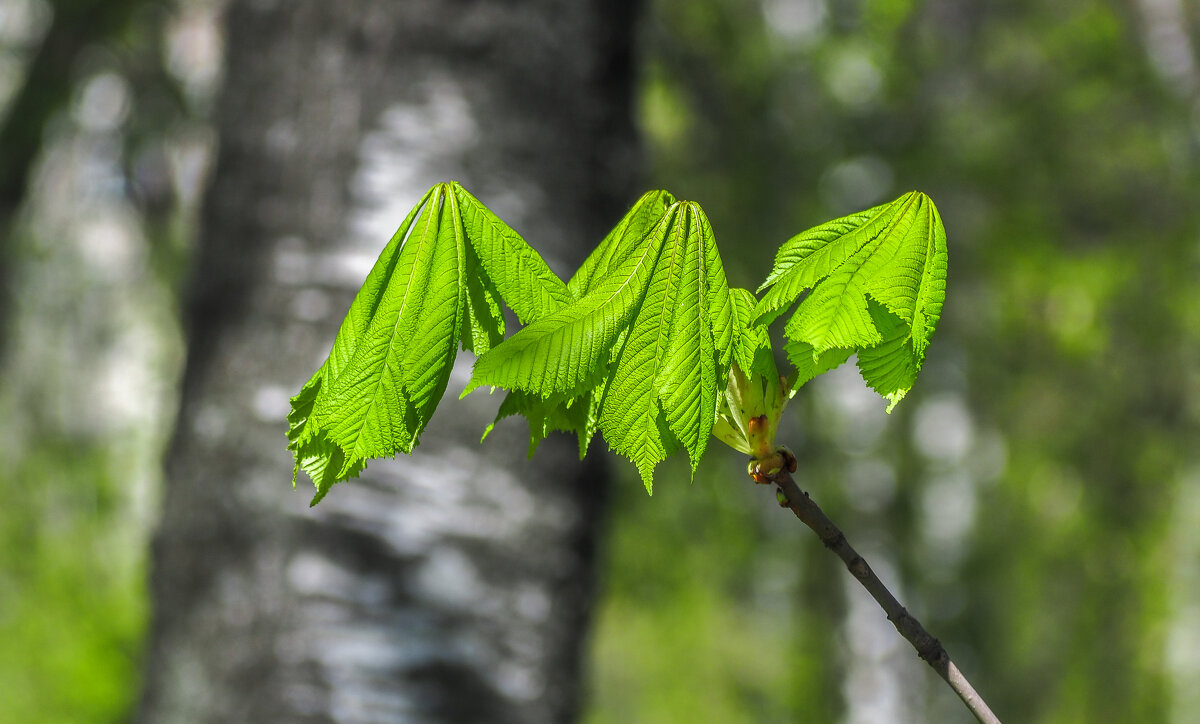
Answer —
(437, 284)
(637, 345)
(651, 333)
(578, 410)
(877, 281)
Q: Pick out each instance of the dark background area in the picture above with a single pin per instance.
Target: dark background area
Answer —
(1035, 500)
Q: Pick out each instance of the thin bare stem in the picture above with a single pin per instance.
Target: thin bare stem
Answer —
(928, 648)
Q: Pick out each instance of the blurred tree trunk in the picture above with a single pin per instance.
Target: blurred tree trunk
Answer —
(451, 586)
(44, 90)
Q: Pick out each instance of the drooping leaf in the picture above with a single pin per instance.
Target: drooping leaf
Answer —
(691, 363)
(323, 459)
(808, 363)
(575, 415)
(623, 238)
(437, 284)
(652, 330)
(567, 351)
(751, 345)
(579, 414)
(638, 345)
(877, 280)
(891, 366)
(519, 273)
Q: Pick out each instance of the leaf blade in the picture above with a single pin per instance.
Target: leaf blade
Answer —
(562, 352)
(391, 361)
(876, 285)
(631, 229)
(519, 273)
(663, 390)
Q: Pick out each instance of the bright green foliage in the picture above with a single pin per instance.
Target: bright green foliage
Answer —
(567, 352)
(650, 334)
(576, 408)
(669, 364)
(877, 281)
(579, 415)
(638, 345)
(754, 385)
(437, 283)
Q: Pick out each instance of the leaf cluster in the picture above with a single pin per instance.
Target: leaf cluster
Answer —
(638, 345)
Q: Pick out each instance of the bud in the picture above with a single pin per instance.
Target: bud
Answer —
(750, 411)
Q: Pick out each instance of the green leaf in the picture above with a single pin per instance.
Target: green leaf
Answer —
(808, 363)
(877, 281)
(751, 345)
(891, 366)
(437, 284)
(630, 414)
(638, 345)
(567, 352)
(652, 331)
(578, 415)
(519, 273)
(638, 221)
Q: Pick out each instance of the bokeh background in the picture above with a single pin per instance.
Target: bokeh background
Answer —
(1035, 500)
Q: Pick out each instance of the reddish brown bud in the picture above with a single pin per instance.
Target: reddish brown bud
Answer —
(757, 425)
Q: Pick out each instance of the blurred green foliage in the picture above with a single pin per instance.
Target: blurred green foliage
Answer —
(71, 607)
(1033, 498)
(92, 242)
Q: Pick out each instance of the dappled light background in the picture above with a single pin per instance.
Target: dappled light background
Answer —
(91, 259)
(1035, 500)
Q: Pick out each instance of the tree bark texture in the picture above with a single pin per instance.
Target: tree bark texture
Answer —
(454, 585)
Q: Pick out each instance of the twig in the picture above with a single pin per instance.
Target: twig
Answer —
(928, 648)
